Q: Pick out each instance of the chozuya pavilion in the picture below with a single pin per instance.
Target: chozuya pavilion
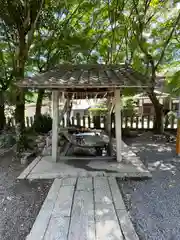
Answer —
(87, 81)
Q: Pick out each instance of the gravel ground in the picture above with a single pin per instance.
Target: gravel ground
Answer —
(154, 205)
(20, 201)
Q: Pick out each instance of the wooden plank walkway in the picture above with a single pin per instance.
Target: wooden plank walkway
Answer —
(83, 208)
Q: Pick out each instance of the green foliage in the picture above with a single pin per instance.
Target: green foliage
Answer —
(98, 110)
(144, 34)
(129, 106)
(42, 124)
(7, 140)
(173, 84)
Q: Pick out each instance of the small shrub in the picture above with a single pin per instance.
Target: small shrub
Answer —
(7, 140)
(42, 124)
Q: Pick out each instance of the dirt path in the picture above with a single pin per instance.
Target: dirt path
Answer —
(20, 201)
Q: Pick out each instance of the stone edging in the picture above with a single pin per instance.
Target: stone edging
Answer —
(29, 168)
(27, 155)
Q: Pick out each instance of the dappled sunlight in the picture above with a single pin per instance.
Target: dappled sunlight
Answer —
(164, 148)
(160, 147)
(160, 165)
(102, 212)
(90, 232)
(129, 154)
(107, 225)
(153, 144)
(107, 200)
(156, 156)
(108, 229)
(167, 166)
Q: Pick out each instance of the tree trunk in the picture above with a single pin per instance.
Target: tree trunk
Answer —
(39, 103)
(19, 70)
(2, 111)
(158, 123)
(20, 124)
(25, 34)
(20, 109)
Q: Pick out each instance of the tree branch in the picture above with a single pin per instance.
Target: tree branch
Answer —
(176, 37)
(167, 41)
(32, 27)
(9, 45)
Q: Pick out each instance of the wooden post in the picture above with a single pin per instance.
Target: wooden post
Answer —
(27, 122)
(69, 108)
(55, 118)
(31, 121)
(118, 125)
(108, 126)
(89, 122)
(78, 119)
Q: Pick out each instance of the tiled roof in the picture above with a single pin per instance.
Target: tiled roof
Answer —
(86, 76)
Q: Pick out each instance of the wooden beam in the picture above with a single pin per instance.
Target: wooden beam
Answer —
(118, 124)
(55, 118)
(97, 158)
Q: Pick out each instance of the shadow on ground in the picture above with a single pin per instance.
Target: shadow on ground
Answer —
(154, 204)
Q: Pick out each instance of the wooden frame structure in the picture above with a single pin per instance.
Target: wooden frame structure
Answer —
(87, 81)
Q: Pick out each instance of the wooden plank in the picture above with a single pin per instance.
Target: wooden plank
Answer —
(70, 181)
(107, 225)
(29, 168)
(84, 184)
(116, 194)
(63, 203)
(43, 218)
(126, 225)
(57, 229)
(102, 192)
(82, 225)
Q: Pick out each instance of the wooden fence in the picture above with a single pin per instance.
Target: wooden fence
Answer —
(145, 122)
